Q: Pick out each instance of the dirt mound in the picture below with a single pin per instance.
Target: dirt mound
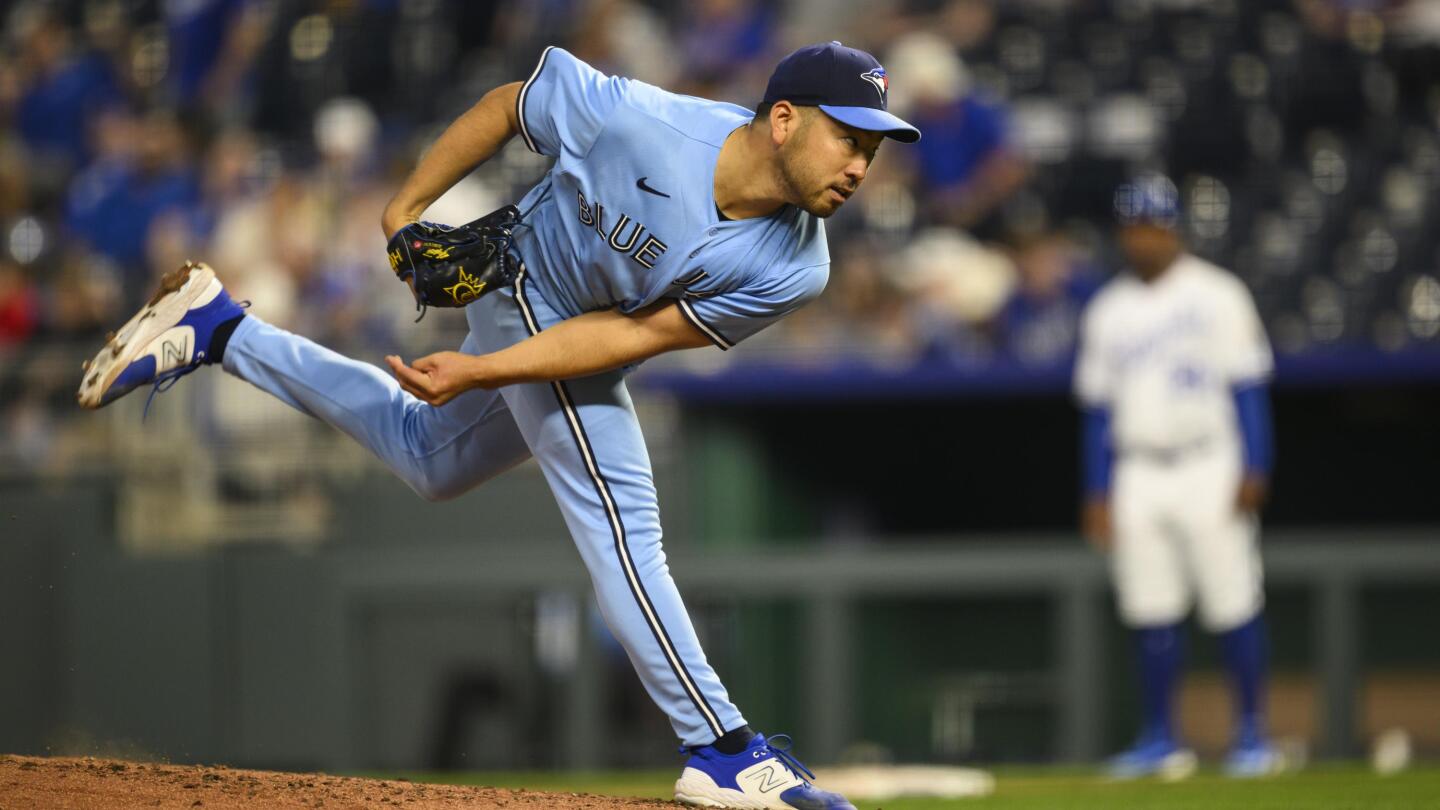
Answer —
(34, 783)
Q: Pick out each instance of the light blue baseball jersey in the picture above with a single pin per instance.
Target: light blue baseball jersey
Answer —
(626, 216)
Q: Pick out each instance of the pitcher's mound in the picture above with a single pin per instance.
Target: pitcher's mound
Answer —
(36, 783)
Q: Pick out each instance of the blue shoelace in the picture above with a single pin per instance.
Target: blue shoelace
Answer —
(783, 754)
(166, 380)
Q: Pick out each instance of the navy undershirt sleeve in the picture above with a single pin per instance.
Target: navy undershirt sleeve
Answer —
(1252, 407)
(1096, 453)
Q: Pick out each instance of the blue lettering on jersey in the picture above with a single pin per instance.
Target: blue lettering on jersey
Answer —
(1141, 349)
(593, 215)
(1189, 377)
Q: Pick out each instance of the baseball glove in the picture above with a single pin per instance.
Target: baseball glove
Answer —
(453, 266)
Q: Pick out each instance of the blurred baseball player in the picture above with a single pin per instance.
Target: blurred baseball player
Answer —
(1172, 377)
(666, 222)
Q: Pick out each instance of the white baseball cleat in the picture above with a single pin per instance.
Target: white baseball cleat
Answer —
(168, 338)
(1160, 758)
(762, 777)
(1254, 758)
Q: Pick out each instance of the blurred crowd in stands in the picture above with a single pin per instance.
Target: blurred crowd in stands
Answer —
(264, 136)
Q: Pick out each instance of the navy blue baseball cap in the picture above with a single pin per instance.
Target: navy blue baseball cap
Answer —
(1150, 199)
(847, 84)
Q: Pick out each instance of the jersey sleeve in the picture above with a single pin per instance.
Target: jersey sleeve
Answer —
(1245, 357)
(731, 317)
(565, 103)
(1093, 380)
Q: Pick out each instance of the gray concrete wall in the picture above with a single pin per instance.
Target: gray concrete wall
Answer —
(354, 654)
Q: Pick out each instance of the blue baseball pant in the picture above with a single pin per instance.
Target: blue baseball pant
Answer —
(585, 435)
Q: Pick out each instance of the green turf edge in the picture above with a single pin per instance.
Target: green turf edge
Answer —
(1327, 787)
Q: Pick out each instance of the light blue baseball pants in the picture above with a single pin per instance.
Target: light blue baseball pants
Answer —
(585, 435)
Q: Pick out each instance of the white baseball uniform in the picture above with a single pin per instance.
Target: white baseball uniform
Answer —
(1163, 358)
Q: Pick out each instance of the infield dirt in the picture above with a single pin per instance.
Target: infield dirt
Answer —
(42, 783)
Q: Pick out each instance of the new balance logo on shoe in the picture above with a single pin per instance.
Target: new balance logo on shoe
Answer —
(766, 779)
(172, 355)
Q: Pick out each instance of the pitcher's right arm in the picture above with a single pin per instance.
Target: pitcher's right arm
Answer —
(470, 140)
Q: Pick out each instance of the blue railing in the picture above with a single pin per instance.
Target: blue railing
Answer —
(855, 379)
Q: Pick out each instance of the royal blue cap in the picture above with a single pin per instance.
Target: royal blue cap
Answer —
(848, 84)
(1149, 199)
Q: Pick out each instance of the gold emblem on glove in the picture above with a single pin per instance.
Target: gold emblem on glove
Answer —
(436, 252)
(467, 289)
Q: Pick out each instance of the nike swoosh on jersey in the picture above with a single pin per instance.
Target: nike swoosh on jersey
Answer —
(640, 184)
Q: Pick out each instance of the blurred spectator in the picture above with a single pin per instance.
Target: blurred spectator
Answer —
(965, 24)
(1417, 23)
(345, 287)
(968, 24)
(955, 286)
(113, 203)
(84, 296)
(726, 46)
(967, 167)
(388, 53)
(212, 44)
(19, 305)
(14, 180)
(863, 312)
(626, 38)
(64, 87)
(232, 170)
(1040, 323)
(1350, 18)
(263, 244)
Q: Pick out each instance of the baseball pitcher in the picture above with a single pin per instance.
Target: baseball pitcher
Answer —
(666, 222)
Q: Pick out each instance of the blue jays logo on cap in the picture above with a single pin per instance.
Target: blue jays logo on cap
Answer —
(877, 77)
(1150, 198)
(824, 76)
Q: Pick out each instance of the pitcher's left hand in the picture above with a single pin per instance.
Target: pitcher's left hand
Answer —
(436, 378)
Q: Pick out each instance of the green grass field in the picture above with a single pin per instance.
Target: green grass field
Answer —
(1329, 787)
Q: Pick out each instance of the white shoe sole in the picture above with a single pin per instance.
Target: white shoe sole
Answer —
(178, 290)
(697, 789)
(1273, 765)
(1178, 766)
(1175, 767)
